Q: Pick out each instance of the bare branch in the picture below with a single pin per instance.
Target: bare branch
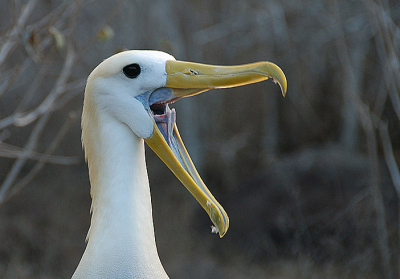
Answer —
(58, 89)
(13, 152)
(375, 186)
(20, 162)
(389, 157)
(11, 37)
(43, 112)
(387, 51)
(45, 159)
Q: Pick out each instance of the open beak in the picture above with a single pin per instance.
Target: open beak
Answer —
(186, 79)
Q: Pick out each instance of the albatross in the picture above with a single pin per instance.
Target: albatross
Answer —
(126, 104)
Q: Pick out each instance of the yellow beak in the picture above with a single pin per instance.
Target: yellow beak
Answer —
(187, 79)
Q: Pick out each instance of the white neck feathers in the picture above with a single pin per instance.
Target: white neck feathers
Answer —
(121, 241)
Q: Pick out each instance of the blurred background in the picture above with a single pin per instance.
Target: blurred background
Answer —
(311, 182)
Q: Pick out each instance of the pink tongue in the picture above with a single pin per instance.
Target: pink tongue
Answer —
(165, 123)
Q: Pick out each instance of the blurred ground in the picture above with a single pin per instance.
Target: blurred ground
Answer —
(310, 182)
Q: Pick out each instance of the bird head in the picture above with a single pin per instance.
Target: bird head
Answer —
(136, 86)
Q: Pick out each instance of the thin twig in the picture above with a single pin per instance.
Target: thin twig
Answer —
(391, 163)
(43, 113)
(20, 162)
(13, 152)
(389, 157)
(14, 75)
(57, 90)
(383, 235)
(11, 40)
(46, 156)
(111, 15)
(387, 54)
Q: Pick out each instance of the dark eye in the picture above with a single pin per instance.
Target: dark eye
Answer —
(132, 70)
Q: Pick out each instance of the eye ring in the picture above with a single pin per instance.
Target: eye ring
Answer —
(132, 70)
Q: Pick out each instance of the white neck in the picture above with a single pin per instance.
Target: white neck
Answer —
(121, 241)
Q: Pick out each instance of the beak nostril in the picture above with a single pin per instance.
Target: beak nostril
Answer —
(193, 72)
